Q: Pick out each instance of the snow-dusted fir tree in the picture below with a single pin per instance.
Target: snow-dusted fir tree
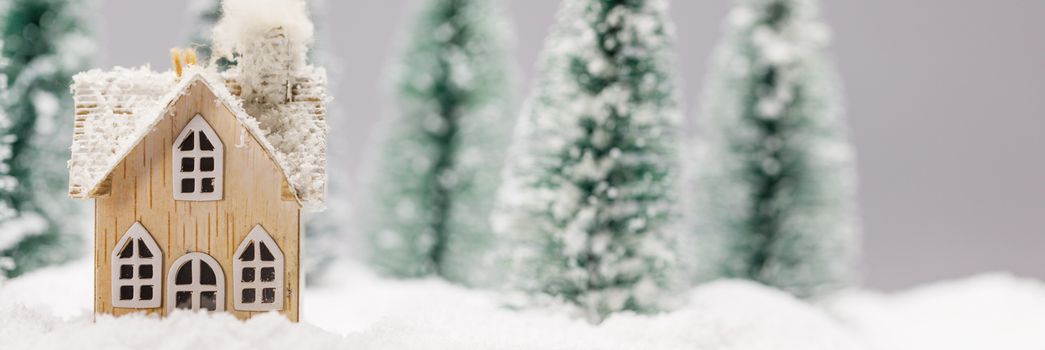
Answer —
(588, 206)
(8, 183)
(327, 231)
(439, 165)
(204, 14)
(777, 187)
(45, 43)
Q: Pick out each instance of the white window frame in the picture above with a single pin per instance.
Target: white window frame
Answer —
(137, 233)
(196, 126)
(195, 258)
(254, 240)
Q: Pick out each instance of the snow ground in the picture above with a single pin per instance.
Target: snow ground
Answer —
(49, 309)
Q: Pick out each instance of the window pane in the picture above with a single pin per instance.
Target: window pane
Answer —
(248, 254)
(128, 250)
(268, 295)
(143, 251)
(126, 272)
(208, 185)
(207, 277)
(205, 143)
(126, 292)
(266, 255)
(248, 274)
(207, 164)
(188, 185)
(188, 164)
(187, 145)
(268, 274)
(145, 293)
(145, 271)
(183, 300)
(248, 295)
(209, 300)
(184, 274)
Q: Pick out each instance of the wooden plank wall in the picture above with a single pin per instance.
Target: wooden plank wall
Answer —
(141, 190)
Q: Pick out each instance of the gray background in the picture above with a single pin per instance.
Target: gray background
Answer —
(944, 96)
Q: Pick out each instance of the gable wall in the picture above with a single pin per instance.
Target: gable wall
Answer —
(141, 190)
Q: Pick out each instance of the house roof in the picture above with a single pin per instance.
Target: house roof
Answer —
(116, 109)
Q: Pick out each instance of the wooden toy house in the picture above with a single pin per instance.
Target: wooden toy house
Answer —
(199, 179)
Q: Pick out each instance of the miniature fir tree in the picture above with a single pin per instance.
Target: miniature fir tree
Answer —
(778, 184)
(440, 162)
(327, 231)
(8, 183)
(587, 209)
(205, 14)
(45, 43)
(327, 234)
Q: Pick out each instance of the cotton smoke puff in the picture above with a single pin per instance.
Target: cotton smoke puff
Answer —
(244, 21)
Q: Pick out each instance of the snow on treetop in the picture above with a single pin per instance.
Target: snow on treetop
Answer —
(800, 35)
(243, 22)
(116, 109)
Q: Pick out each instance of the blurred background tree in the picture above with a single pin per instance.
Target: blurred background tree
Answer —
(45, 43)
(588, 207)
(204, 14)
(777, 190)
(440, 161)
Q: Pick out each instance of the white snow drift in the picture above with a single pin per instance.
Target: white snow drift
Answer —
(49, 309)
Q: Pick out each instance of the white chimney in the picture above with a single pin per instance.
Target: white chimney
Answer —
(265, 69)
(269, 41)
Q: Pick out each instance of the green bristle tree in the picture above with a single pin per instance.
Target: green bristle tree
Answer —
(777, 188)
(204, 15)
(588, 209)
(326, 232)
(45, 43)
(441, 156)
(8, 184)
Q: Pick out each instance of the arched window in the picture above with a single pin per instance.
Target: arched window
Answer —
(196, 282)
(257, 273)
(136, 265)
(198, 163)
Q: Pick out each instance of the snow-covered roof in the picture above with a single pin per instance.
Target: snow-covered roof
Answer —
(116, 109)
